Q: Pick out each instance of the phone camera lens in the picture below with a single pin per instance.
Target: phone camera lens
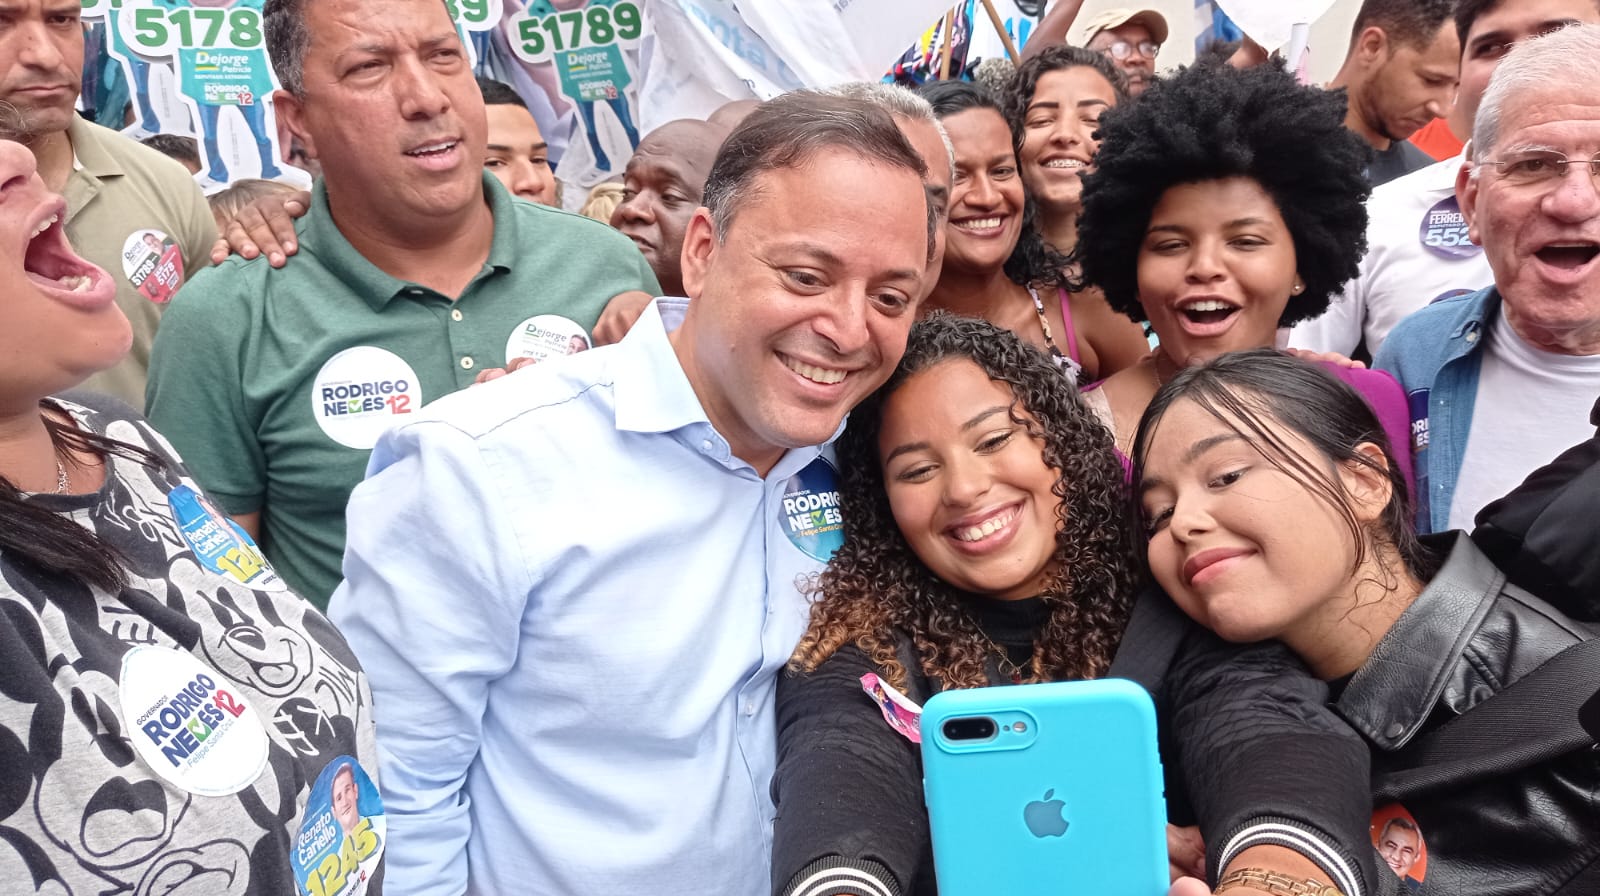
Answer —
(969, 728)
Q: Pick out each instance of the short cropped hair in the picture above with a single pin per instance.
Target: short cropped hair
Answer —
(175, 146)
(1565, 56)
(1413, 23)
(896, 100)
(1214, 122)
(288, 38)
(1014, 100)
(789, 130)
(499, 93)
(226, 204)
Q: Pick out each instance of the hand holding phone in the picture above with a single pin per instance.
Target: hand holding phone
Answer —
(1045, 789)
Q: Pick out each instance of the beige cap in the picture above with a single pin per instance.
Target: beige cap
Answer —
(1153, 21)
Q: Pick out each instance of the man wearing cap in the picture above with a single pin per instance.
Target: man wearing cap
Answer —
(1130, 38)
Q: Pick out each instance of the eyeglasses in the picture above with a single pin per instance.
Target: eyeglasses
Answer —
(1121, 49)
(1534, 167)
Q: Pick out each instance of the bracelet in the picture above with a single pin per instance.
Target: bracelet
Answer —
(1275, 883)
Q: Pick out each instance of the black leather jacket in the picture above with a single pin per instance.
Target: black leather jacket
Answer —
(1536, 831)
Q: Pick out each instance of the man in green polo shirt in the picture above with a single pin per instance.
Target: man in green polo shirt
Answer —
(415, 270)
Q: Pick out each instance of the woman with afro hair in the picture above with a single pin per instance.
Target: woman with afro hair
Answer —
(1226, 203)
(988, 541)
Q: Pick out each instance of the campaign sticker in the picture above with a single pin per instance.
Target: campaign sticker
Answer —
(1444, 231)
(361, 392)
(809, 512)
(546, 336)
(1418, 401)
(218, 542)
(902, 714)
(188, 723)
(1398, 839)
(341, 837)
(153, 264)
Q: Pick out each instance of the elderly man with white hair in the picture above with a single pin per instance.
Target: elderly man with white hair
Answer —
(1502, 380)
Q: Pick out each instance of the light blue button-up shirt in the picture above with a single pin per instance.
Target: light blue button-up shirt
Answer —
(573, 602)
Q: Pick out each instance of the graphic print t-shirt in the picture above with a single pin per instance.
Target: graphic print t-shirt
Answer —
(199, 734)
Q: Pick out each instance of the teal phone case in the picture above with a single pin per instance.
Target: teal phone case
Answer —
(1069, 803)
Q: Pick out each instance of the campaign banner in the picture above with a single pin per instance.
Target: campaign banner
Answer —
(1271, 23)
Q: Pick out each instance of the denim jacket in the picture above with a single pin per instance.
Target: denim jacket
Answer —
(1435, 355)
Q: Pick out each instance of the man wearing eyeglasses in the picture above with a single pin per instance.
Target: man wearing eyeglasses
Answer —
(1501, 380)
(1130, 38)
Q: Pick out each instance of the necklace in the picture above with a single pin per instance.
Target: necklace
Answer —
(1044, 324)
(1067, 365)
(61, 477)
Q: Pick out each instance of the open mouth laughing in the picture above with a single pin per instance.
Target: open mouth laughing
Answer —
(58, 271)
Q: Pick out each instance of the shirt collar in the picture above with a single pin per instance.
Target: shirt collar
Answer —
(653, 394)
(372, 283)
(88, 155)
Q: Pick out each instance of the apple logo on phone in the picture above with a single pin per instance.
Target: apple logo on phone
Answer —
(1046, 817)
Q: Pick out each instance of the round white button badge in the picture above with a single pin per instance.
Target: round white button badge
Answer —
(546, 336)
(361, 392)
(189, 724)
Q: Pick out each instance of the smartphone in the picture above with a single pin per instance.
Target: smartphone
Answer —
(1045, 789)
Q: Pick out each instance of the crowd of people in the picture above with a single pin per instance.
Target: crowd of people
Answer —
(411, 534)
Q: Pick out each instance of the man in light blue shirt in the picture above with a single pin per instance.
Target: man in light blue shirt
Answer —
(573, 588)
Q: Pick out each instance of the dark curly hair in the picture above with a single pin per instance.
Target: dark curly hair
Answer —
(1033, 262)
(875, 589)
(1018, 94)
(1211, 122)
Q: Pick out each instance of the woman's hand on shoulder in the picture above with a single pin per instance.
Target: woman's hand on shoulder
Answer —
(1333, 358)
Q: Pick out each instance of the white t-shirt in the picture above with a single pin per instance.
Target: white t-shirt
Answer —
(1417, 253)
(1531, 406)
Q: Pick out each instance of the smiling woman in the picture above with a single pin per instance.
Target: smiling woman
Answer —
(156, 668)
(1275, 511)
(986, 542)
(997, 265)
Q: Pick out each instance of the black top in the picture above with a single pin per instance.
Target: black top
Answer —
(1013, 625)
(1399, 159)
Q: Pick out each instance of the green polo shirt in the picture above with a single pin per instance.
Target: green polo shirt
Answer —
(274, 384)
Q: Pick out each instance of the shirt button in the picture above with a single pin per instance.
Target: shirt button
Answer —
(455, 314)
(466, 363)
(705, 445)
(1394, 730)
(749, 707)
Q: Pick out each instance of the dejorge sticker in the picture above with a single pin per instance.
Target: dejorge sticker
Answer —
(546, 336)
(153, 263)
(342, 833)
(809, 511)
(189, 724)
(361, 392)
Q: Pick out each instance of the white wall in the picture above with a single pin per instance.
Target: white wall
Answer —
(1330, 36)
